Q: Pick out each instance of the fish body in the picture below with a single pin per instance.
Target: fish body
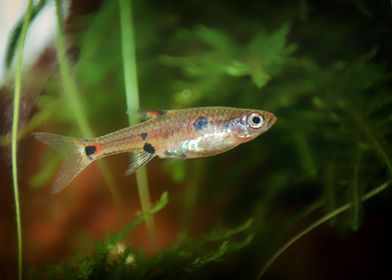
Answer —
(184, 133)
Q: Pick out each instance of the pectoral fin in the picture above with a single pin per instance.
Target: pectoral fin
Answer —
(137, 160)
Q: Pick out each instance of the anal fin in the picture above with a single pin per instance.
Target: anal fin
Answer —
(137, 160)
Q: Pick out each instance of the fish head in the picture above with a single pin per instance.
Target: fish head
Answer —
(249, 124)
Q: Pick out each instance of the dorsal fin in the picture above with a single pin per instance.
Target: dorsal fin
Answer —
(151, 114)
(146, 114)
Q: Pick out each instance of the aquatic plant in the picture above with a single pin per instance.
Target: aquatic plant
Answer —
(14, 133)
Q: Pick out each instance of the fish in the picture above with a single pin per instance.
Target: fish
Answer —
(179, 134)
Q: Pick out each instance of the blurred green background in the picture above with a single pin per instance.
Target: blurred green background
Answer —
(322, 67)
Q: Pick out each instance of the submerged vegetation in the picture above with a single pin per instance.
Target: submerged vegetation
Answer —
(312, 65)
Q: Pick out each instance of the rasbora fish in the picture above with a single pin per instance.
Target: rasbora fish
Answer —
(181, 134)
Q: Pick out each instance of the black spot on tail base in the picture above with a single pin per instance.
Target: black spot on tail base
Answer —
(90, 150)
(149, 148)
(143, 135)
(200, 123)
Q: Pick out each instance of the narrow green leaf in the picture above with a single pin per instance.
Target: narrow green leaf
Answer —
(355, 190)
(16, 35)
(155, 208)
(132, 98)
(72, 96)
(316, 224)
(14, 133)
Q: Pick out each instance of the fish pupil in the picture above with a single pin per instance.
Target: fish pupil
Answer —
(256, 120)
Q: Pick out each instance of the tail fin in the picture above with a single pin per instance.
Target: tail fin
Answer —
(75, 158)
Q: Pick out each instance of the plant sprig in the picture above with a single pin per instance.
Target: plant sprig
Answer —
(132, 98)
(14, 133)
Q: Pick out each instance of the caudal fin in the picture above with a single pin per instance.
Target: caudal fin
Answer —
(75, 158)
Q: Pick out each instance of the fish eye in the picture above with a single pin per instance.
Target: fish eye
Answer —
(255, 120)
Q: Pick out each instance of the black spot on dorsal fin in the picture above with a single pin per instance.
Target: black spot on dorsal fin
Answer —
(149, 148)
(143, 135)
(90, 150)
(200, 123)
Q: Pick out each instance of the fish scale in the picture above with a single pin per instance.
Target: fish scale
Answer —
(183, 133)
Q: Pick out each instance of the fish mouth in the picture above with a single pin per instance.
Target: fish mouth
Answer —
(272, 119)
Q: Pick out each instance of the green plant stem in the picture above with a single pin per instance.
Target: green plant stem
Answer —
(355, 189)
(372, 138)
(71, 95)
(132, 99)
(320, 221)
(14, 134)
